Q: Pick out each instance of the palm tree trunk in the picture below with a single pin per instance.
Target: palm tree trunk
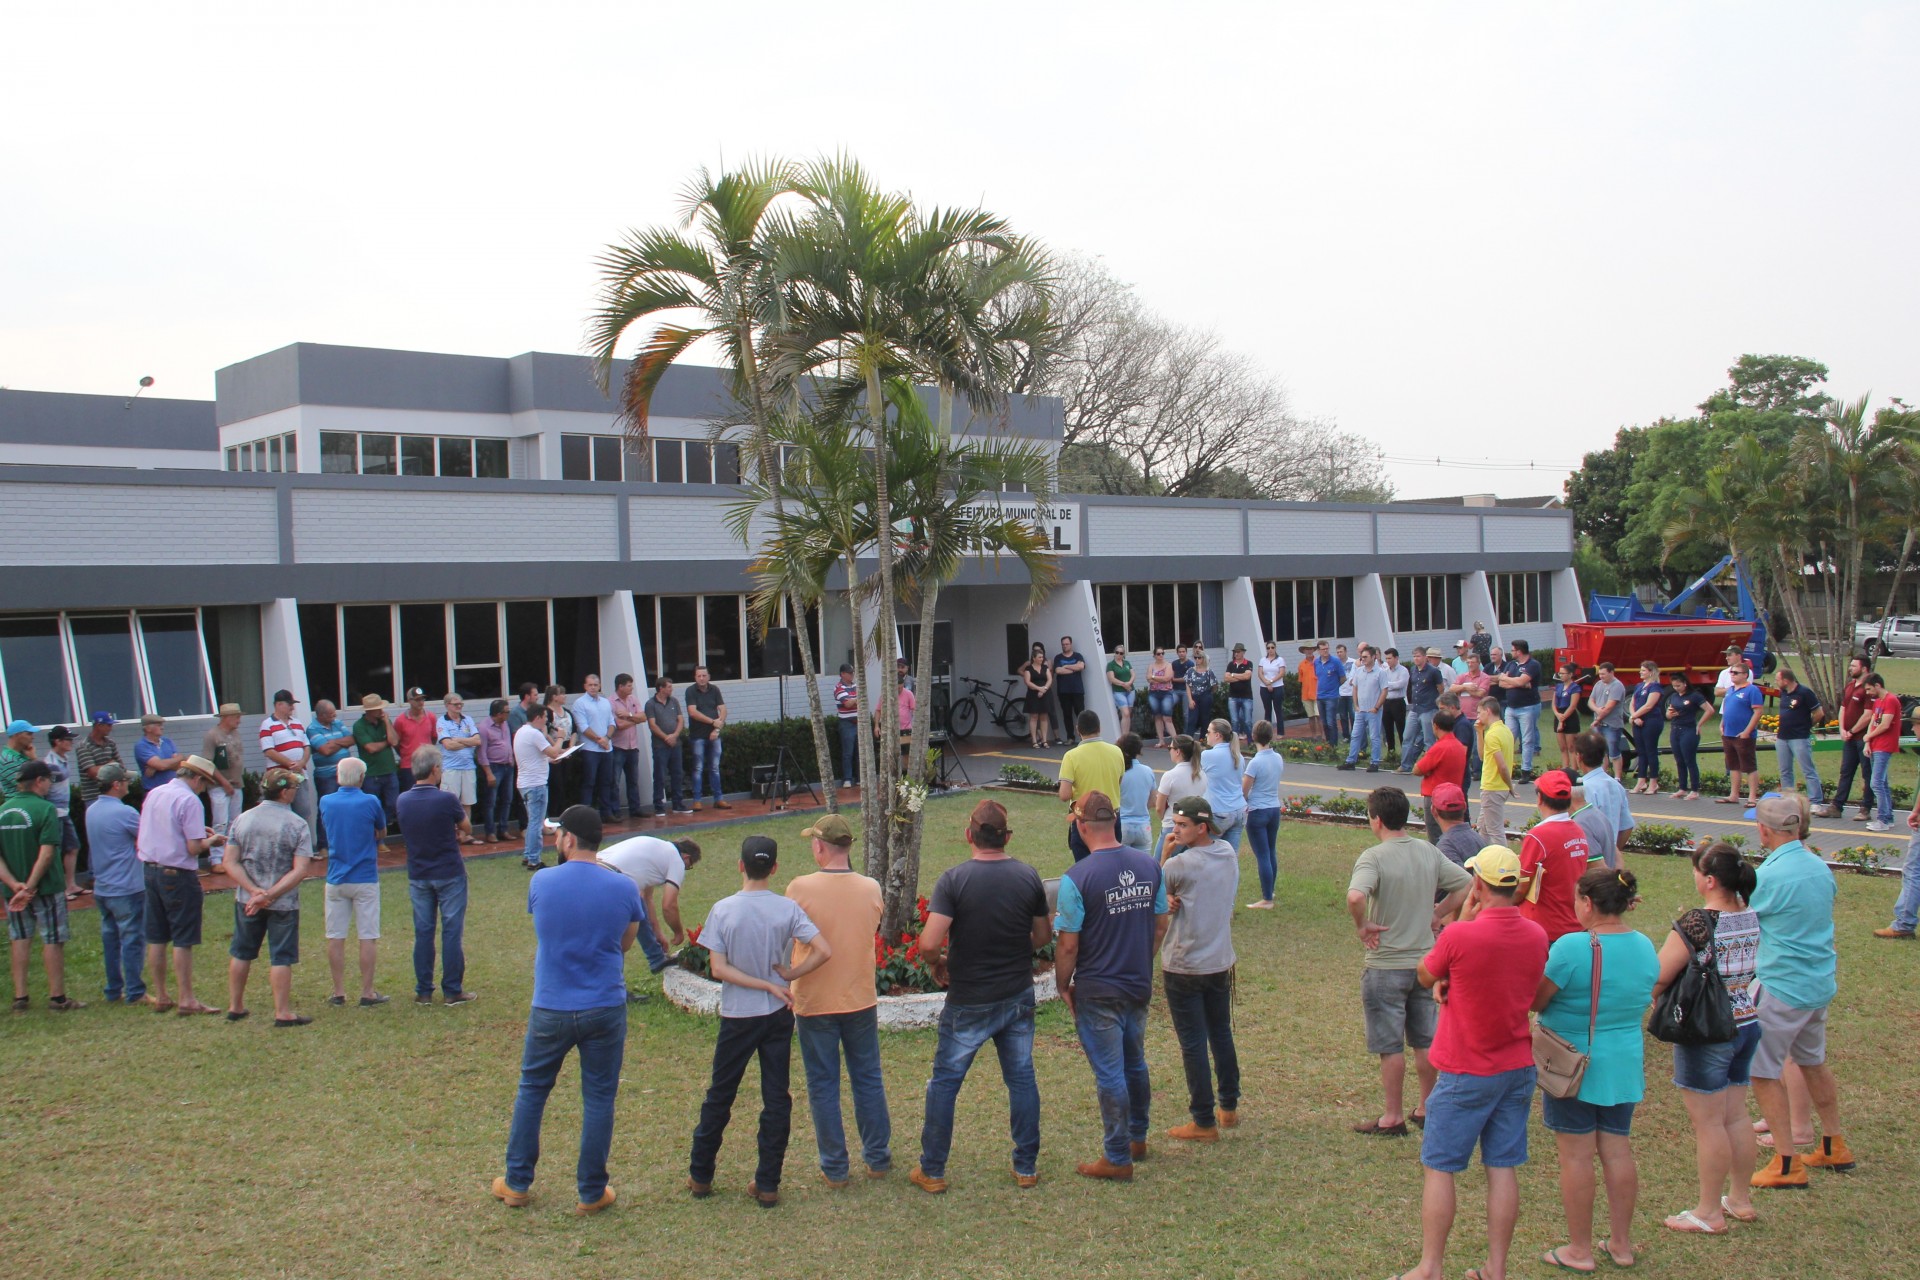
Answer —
(883, 797)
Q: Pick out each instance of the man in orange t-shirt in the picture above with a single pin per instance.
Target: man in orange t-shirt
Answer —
(1309, 691)
(835, 1007)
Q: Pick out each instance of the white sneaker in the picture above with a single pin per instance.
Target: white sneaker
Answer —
(1823, 811)
(1877, 825)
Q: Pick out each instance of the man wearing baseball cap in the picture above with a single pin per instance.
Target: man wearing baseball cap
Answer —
(119, 886)
(283, 741)
(1112, 916)
(1553, 856)
(415, 729)
(96, 749)
(14, 755)
(1483, 973)
(985, 920)
(223, 744)
(272, 846)
(1795, 976)
(1451, 833)
(36, 898)
(173, 835)
(834, 1007)
(1197, 966)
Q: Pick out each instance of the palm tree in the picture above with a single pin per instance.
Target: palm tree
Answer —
(710, 281)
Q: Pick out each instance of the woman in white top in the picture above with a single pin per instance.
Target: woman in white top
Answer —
(1182, 779)
(1272, 671)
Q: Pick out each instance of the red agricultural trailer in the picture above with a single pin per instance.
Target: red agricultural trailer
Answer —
(1695, 646)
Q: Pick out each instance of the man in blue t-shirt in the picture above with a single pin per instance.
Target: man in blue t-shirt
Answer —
(1329, 673)
(1739, 720)
(355, 821)
(1519, 678)
(1112, 915)
(585, 919)
(434, 823)
(1425, 684)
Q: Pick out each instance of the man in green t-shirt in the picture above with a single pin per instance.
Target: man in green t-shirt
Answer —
(379, 741)
(30, 869)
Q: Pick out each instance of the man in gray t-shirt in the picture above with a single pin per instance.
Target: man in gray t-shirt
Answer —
(1196, 963)
(1392, 900)
(749, 937)
(268, 855)
(1608, 701)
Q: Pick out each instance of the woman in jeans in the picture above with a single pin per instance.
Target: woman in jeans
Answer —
(1160, 696)
(1261, 782)
(1599, 1119)
(1037, 675)
(1136, 795)
(1182, 779)
(1220, 767)
(1712, 1078)
(1202, 682)
(1647, 717)
(1685, 706)
(1273, 689)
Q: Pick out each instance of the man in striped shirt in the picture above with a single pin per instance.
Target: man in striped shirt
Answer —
(283, 740)
(846, 703)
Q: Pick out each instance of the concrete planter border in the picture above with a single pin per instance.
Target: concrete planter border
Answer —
(896, 1013)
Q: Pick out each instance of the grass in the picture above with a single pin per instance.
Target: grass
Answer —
(158, 1146)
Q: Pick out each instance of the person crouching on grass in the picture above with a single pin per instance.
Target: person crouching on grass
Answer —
(749, 937)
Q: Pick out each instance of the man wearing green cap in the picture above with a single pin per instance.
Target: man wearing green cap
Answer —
(835, 1009)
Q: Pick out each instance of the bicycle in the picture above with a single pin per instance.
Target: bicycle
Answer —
(1010, 713)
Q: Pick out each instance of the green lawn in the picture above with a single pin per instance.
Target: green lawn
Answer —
(159, 1146)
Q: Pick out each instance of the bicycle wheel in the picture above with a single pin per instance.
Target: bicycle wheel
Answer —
(962, 717)
(1013, 718)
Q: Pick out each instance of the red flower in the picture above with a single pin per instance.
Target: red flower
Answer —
(693, 935)
(906, 937)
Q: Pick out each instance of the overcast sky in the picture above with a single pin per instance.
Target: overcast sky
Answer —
(1467, 231)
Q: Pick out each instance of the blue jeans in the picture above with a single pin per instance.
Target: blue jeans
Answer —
(1201, 1007)
(1263, 833)
(446, 899)
(823, 1037)
(1524, 722)
(1329, 717)
(535, 798)
(849, 748)
(1346, 716)
(1906, 908)
(1686, 757)
(964, 1030)
(706, 767)
(1232, 823)
(668, 775)
(1240, 713)
(1792, 751)
(324, 785)
(1882, 793)
(649, 943)
(499, 808)
(387, 789)
(123, 943)
(1646, 747)
(1366, 731)
(1419, 738)
(1113, 1033)
(626, 761)
(596, 786)
(770, 1038)
(601, 1037)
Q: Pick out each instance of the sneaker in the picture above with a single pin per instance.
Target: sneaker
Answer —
(1345, 766)
(932, 1186)
(424, 999)
(1373, 768)
(1863, 816)
(1830, 1153)
(1823, 811)
(638, 997)
(1891, 932)
(1191, 1132)
(1105, 1168)
(684, 811)
(1878, 826)
(508, 1196)
(604, 1202)
(1780, 1174)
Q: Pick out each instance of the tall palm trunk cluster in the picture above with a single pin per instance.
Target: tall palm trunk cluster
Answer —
(831, 302)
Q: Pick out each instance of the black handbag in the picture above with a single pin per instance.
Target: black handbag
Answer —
(1696, 1009)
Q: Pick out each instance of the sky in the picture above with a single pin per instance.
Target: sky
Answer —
(1475, 234)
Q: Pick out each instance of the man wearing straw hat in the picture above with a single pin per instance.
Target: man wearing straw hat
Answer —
(173, 835)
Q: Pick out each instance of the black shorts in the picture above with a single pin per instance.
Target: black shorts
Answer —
(280, 930)
(174, 904)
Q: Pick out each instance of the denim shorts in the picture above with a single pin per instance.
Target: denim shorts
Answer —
(175, 903)
(1572, 1116)
(1613, 734)
(1709, 1068)
(1490, 1111)
(280, 930)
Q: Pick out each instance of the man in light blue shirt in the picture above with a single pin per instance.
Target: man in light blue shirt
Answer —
(332, 742)
(458, 737)
(119, 885)
(1604, 792)
(1369, 698)
(1795, 977)
(593, 720)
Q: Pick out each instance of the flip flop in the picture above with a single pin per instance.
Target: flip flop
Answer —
(1606, 1248)
(1689, 1222)
(1726, 800)
(1419, 1119)
(1374, 1129)
(1552, 1258)
(1751, 1215)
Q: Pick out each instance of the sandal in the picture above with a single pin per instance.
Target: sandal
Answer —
(1689, 1222)
(1726, 799)
(1552, 1258)
(1374, 1129)
(1606, 1247)
(65, 1004)
(21, 1004)
(1726, 1207)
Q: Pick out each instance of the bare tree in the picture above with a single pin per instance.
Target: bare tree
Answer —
(1156, 407)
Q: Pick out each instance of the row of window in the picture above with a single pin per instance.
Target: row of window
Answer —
(1426, 602)
(275, 453)
(368, 453)
(1146, 616)
(1295, 609)
(62, 668)
(478, 648)
(1521, 597)
(680, 633)
(674, 461)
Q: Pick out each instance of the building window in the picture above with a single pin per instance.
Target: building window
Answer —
(680, 633)
(1305, 608)
(1520, 598)
(1149, 615)
(377, 454)
(576, 458)
(60, 668)
(274, 453)
(353, 650)
(695, 462)
(490, 459)
(1424, 603)
(339, 453)
(669, 461)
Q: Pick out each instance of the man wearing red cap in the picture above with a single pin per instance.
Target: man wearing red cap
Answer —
(1553, 857)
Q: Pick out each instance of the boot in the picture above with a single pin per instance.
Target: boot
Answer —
(1782, 1173)
(1104, 1168)
(1830, 1152)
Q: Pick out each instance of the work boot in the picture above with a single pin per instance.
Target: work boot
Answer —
(1105, 1168)
(1891, 932)
(1192, 1132)
(1229, 1118)
(1830, 1152)
(1782, 1173)
(932, 1186)
(1138, 1150)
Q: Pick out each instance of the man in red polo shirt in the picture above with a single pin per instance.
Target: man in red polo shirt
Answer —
(416, 729)
(1553, 857)
(1442, 764)
(1483, 973)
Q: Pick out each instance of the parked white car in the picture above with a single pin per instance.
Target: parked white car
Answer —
(1899, 637)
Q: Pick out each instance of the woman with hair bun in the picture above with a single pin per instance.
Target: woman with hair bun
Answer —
(1712, 1078)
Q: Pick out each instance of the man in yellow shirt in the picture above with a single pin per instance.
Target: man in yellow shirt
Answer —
(1497, 750)
(1092, 766)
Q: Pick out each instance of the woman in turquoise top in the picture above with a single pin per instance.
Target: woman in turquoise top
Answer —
(1220, 766)
(1600, 1118)
(1261, 782)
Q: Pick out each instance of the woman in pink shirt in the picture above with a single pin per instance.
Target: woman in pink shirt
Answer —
(902, 720)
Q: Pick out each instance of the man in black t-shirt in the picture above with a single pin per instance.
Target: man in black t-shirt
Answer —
(986, 919)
